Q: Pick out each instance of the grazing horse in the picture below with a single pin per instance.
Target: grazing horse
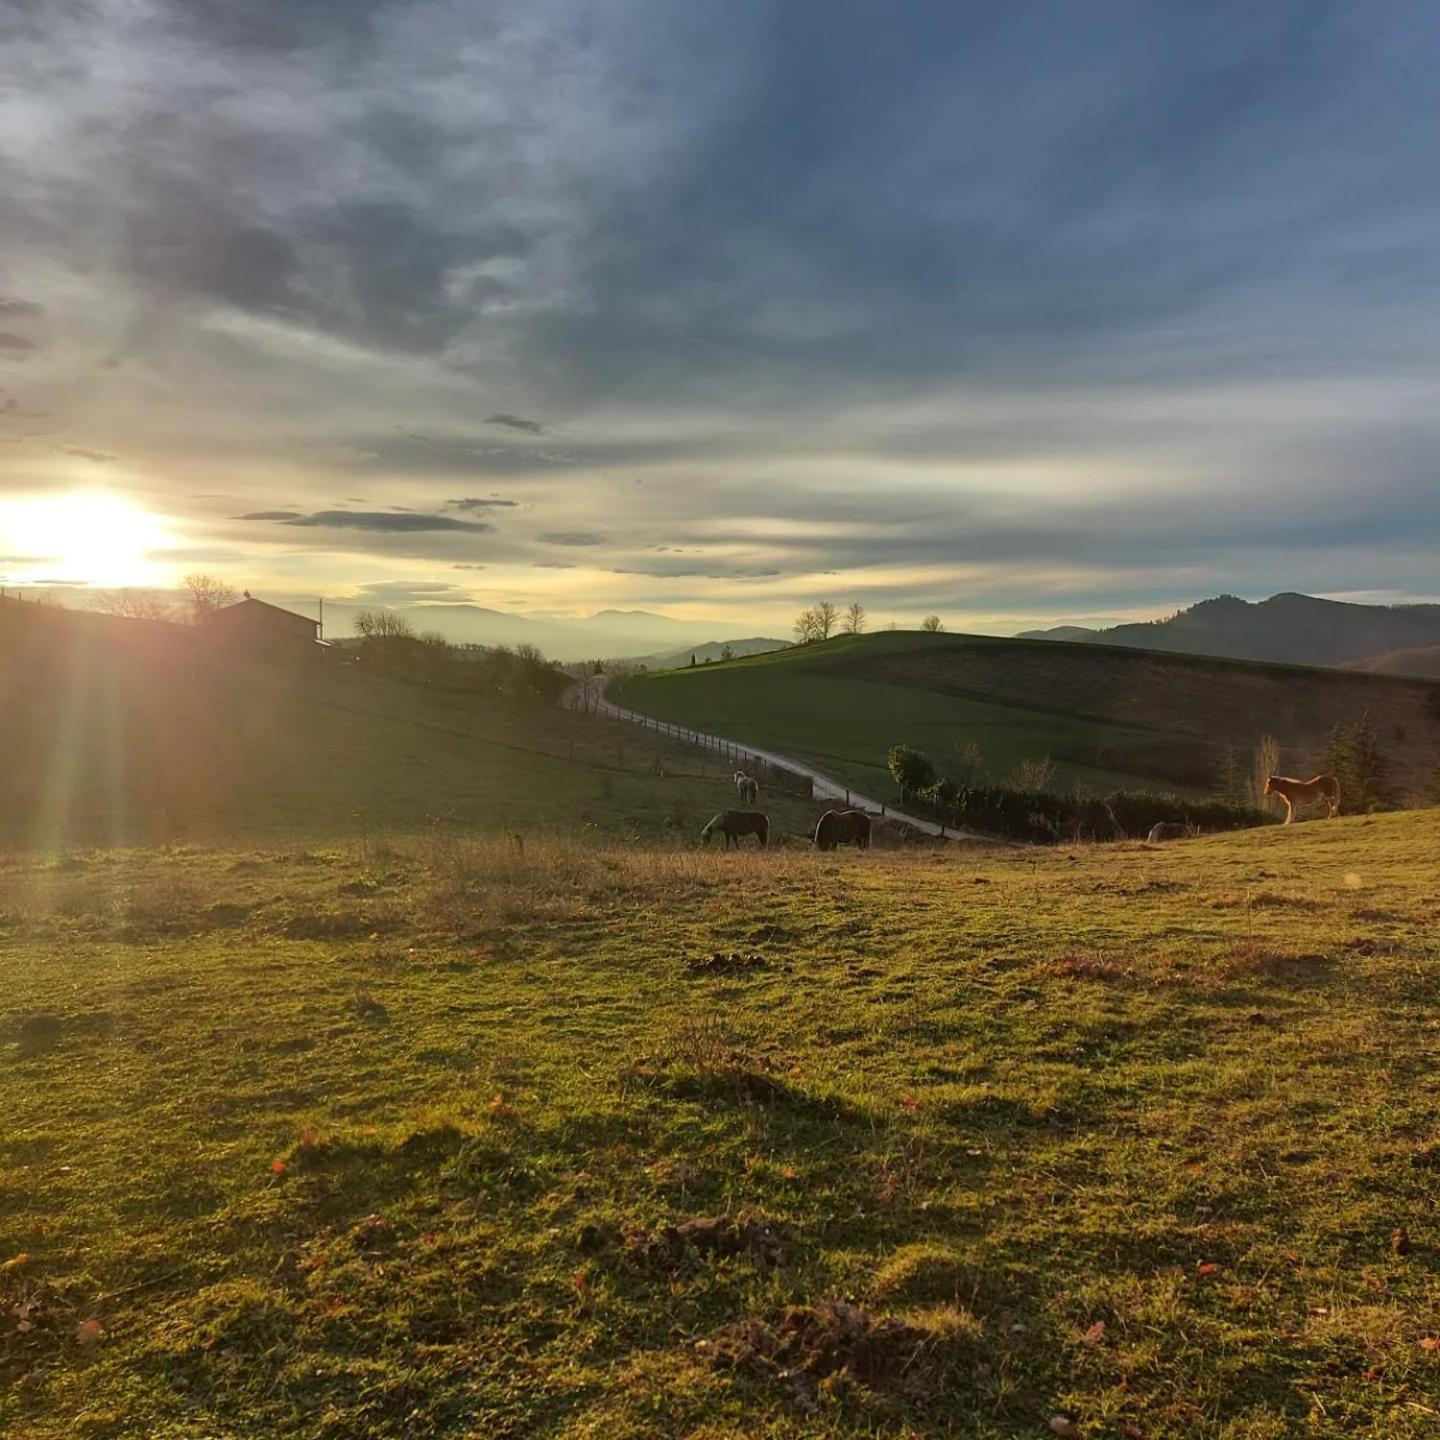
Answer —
(1305, 792)
(734, 825)
(1170, 830)
(842, 827)
(746, 786)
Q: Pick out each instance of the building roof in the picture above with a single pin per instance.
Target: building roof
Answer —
(252, 611)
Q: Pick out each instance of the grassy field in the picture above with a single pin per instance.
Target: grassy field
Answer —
(1110, 718)
(117, 734)
(436, 1137)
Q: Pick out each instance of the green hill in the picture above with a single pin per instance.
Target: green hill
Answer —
(121, 731)
(1108, 716)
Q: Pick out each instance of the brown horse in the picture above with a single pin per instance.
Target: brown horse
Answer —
(1305, 792)
(843, 827)
(734, 825)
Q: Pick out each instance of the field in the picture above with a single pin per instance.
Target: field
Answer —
(117, 733)
(435, 1136)
(1111, 718)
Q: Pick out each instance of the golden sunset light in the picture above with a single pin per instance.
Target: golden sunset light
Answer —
(85, 537)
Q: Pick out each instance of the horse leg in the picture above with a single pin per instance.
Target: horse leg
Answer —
(1289, 810)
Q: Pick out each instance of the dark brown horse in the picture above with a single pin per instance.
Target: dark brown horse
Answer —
(734, 825)
(842, 827)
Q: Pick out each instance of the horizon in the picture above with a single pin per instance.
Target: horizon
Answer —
(1024, 320)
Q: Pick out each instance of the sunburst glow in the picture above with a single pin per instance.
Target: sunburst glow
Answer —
(88, 537)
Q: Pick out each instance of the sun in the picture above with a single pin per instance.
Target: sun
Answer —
(84, 537)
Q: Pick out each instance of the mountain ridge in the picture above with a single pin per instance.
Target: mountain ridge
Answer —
(1288, 628)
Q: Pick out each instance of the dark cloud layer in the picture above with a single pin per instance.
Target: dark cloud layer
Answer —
(385, 520)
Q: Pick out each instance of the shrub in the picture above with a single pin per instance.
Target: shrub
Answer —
(1045, 816)
(910, 769)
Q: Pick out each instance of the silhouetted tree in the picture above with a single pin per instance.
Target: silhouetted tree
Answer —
(855, 619)
(932, 624)
(1354, 757)
(204, 595)
(132, 604)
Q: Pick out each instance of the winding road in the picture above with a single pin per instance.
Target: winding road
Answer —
(591, 693)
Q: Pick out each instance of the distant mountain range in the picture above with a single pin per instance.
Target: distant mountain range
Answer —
(605, 635)
(1289, 628)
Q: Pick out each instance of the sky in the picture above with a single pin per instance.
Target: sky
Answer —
(1016, 313)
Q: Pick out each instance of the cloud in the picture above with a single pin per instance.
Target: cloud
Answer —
(385, 520)
(465, 565)
(805, 304)
(554, 564)
(406, 592)
(100, 457)
(472, 502)
(517, 422)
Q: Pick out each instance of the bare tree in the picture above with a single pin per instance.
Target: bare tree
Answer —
(204, 595)
(132, 604)
(383, 625)
(932, 624)
(825, 617)
(968, 767)
(1266, 762)
(855, 619)
(807, 627)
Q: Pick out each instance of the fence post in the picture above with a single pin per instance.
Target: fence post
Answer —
(847, 798)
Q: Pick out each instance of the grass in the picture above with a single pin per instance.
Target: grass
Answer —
(435, 1136)
(1111, 718)
(129, 738)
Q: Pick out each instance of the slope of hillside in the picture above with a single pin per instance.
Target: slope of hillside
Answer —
(1286, 628)
(118, 731)
(1109, 716)
(1420, 662)
(587, 1141)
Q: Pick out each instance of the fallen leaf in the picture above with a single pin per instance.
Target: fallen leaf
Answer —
(1430, 1343)
(1095, 1334)
(1206, 1267)
(790, 1173)
(910, 1102)
(309, 1138)
(15, 1262)
(498, 1106)
(87, 1332)
(278, 1167)
(1063, 1425)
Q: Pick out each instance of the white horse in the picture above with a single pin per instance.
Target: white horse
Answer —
(746, 787)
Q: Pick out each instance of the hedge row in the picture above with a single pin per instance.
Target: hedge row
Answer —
(1028, 815)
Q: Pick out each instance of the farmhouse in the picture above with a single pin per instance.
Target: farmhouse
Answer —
(263, 631)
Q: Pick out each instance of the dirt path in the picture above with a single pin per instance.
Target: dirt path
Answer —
(826, 787)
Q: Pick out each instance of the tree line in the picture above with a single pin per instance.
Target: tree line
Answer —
(824, 619)
(390, 645)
